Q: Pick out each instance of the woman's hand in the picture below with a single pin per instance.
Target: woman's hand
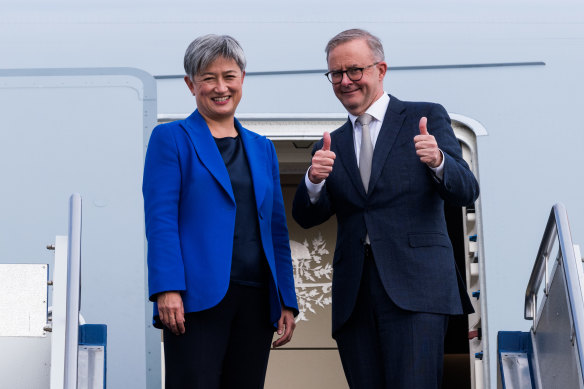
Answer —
(286, 326)
(171, 311)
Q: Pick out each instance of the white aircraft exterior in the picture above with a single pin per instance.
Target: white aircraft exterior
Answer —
(512, 72)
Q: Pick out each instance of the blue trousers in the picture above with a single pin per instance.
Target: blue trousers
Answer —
(383, 346)
(223, 347)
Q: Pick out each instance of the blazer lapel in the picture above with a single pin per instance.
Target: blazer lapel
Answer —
(394, 118)
(255, 150)
(207, 150)
(346, 149)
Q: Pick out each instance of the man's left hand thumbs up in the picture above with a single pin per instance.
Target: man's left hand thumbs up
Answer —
(426, 146)
(423, 127)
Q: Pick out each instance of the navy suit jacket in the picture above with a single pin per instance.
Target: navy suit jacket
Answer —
(403, 212)
(190, 215)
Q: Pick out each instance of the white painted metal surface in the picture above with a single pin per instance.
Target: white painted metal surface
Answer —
(59, 322)
(84, 130)
(90, 368)
(516, 370)
(23, 299)
(523, 108)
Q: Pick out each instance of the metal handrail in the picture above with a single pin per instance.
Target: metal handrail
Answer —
(540, 266)
(558, 227)
(73, 292)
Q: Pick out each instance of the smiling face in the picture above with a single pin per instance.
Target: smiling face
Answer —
(357, 96)
(217, 89)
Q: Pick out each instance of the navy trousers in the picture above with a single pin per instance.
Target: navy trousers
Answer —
(383, 346)
(223, 347)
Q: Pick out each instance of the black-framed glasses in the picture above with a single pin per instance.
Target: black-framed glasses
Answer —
(354, 74)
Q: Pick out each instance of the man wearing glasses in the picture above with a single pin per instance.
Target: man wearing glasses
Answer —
(386, 174)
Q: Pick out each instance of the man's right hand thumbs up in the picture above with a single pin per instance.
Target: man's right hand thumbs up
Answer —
(326, 141)
(322, 161)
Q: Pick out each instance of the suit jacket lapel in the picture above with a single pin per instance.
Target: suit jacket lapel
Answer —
(207, 150)
(394, 118)
(255, 150)
(346, 149)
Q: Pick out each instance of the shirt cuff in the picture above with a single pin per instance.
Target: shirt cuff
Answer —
(439, 171)
(312, 188)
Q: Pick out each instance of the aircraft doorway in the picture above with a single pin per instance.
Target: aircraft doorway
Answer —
(311, 359)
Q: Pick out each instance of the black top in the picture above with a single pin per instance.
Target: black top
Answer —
(249, 265)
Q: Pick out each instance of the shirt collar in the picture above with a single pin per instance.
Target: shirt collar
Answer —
(377, 109)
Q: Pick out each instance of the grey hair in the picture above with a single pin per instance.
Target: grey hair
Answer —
(207, 48)
(373, 42)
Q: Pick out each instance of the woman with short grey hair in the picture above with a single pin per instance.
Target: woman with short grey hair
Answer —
(219, 262)
(204, 50)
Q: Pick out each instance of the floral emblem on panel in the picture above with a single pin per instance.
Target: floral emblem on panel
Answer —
(312, 275)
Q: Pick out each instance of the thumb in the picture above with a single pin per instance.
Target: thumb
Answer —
(326, 138)
(423, 128)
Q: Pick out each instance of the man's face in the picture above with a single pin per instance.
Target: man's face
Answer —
(357, 96)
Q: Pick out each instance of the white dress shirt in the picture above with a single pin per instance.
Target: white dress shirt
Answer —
(377, 110)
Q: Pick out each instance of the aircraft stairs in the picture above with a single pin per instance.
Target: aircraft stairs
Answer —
(52, 344)
(551, 354)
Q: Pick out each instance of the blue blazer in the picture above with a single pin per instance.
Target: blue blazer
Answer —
(190, 215)
(403, 212)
